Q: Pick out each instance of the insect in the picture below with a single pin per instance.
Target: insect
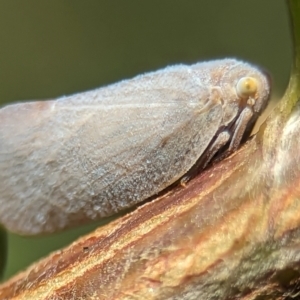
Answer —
(93, 154)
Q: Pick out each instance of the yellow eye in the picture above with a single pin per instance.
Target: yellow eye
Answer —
(246, 86)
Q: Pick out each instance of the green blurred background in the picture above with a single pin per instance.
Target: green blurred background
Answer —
(59, 47)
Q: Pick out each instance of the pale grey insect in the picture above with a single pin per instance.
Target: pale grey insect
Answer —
(96, 153)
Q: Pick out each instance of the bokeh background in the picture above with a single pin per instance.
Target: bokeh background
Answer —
(59, 47)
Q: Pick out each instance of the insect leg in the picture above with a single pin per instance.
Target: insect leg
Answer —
(220, 141)
(239, 128)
